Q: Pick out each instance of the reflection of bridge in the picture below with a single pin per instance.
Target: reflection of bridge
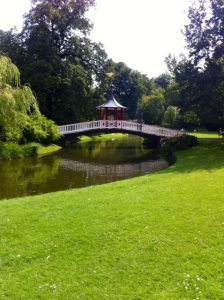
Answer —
(114, 170)
(119, 126)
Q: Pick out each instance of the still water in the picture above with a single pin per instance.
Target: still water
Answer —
(88, 163)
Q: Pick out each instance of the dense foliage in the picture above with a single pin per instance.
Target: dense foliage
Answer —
(200, 79)
(67, 71)
(152, 106)
(11, 150)
(19, 112)
(56, 58)
(171, 145)
(64, 67)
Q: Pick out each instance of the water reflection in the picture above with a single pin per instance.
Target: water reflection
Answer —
(88, 163)
(27, 177)
(108, 172)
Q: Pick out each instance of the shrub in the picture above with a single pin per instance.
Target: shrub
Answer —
(171, 145)
(30, 150)
(12, 151)
(40, 130)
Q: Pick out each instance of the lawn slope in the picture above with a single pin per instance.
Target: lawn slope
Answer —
(159, 236)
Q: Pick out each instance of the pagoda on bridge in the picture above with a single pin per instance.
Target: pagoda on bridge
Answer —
(111, 106)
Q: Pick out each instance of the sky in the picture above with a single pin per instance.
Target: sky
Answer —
(139, 33)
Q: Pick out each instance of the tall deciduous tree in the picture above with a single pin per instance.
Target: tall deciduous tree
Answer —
(129, 86)
(56, 58)
(205, 32)
(200, 78)
(171, 116)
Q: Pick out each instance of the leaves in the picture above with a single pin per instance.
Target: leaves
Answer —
(9, 73)
(152, 107)
(18, 106)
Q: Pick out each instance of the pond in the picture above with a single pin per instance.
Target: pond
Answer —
(90, 162)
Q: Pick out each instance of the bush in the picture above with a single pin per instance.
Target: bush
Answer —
(12, 151)
(30, 150)
(40, 130)
(169, 146)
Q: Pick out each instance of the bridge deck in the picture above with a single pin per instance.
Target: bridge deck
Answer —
(122, 125)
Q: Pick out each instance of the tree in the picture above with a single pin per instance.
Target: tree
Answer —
(205, 41)
(204, 34)
(163, 80)
(152, 107)
(18, 106)
(190, 119)
(171, 116)
(56, 58)
(172, 95)
(129, 86)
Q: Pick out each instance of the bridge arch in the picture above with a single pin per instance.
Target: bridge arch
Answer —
(111, 126)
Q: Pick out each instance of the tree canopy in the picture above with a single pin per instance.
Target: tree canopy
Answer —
(19, 108)
(66, 70)
(56, 58)
(200, 78)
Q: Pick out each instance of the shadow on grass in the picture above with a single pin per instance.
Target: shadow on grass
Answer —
(208, 155)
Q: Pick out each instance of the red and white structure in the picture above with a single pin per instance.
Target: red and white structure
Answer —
(111, 106)
(112, 118)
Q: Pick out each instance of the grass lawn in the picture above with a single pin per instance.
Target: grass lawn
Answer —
(159, 236)
(101, 137)
(205, 134)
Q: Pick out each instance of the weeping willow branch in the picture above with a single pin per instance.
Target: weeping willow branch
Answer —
(16, 102)
(9, 73)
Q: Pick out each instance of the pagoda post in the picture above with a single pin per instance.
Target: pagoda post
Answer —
(115, 116)
(100, 114)
(107, 114)
(121, 114)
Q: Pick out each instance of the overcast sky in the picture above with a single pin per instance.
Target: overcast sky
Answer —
(140, 33)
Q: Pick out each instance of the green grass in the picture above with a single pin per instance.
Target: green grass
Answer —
(45, 150)
(203, 134)
(159, 236)
(9, 151)
(101, 137)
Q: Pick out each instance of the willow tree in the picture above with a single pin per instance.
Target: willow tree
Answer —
(18, 105)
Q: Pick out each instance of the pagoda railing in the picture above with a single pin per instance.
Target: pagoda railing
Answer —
(118, 124)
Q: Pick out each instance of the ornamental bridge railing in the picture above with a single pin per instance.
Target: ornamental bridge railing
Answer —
(120, 125)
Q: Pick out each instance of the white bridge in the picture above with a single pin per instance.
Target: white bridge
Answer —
(118, 125)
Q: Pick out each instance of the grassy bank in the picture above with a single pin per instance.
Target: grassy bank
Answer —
(101, 137)
(9, 151)
(158, 236)
(205, 134)
(45, 150)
